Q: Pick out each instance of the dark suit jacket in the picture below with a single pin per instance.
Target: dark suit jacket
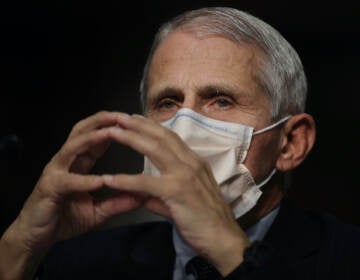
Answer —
(305, 246)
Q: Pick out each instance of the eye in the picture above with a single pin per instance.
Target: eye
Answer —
(166, 104)
(222, 102)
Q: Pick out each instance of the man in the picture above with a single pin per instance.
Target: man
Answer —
(224, 97)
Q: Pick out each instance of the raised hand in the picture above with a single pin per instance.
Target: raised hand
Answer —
(61, 205)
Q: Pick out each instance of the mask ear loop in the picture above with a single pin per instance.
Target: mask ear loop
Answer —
(284, 119)
(261, 131)
(267, 179)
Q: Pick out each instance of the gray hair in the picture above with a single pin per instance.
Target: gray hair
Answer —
(279, 72)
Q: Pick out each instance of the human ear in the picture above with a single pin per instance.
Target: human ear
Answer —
(297, 140)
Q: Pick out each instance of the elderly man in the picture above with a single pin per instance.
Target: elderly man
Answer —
(224, 122)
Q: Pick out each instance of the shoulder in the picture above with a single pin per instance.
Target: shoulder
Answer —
(333, 231)
(313, 226)
(341, 240)
(339, 249)
(296, 218)
(336, 227)
(315, 243)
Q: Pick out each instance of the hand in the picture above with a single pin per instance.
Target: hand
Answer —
(61, 205)
(186, 192)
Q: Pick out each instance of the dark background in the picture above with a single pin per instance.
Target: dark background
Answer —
(64, 60)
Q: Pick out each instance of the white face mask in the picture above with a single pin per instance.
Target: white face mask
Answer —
(224, 145)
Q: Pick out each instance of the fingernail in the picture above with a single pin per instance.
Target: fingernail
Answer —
(108, 179)
(124, 116)
(139, 116)
(115, 129)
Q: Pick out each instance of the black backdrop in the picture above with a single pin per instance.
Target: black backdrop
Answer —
(64, 60)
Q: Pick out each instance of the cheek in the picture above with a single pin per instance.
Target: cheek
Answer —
(159, 116)
(262, 156)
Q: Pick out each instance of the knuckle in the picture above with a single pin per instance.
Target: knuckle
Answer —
(162, 138)
(48, 167)
(61, 154)
(170, 133)
(102, 114)
(165, 133)
(175, 188)
(188, 174)
(93, 136)
(158, 145)
(77, 126)
(49, 180)
(200, 165)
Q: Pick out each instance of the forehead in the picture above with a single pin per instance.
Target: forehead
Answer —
(184, 58)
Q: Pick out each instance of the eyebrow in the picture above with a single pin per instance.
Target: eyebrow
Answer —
(214, 90)
(168, 92)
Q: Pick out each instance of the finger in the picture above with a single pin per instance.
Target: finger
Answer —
(158, 207)
(168, 157)
(163, 139)
(165, 148)
(149, 127)
(159, 151)
(86, 161)
(151, 188)
(59, 184)
(119, 203)
(97, 121)
(79, 145)
(139, 183)
(164, 158)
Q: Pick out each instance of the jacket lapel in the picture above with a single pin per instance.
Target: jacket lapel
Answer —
(295, 234)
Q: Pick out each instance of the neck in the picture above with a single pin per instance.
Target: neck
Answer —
(269, 200)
